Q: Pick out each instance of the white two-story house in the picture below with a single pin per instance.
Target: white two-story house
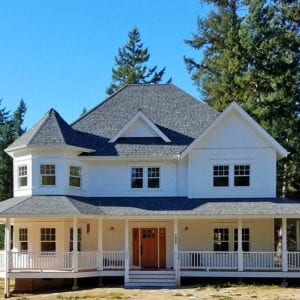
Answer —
(151, 185)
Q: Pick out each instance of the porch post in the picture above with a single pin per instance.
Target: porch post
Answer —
(176, 266)
(7, 257)
(284, 246)
(240, 246)
(75, 246)
(126, 275)
(100, 244)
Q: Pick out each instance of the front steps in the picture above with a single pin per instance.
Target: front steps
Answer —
(144, 278)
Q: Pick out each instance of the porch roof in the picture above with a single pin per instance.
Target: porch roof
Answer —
(57, 205)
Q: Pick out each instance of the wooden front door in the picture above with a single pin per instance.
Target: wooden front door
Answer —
(149, 247)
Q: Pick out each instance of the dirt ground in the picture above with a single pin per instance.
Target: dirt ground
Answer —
(241, 292)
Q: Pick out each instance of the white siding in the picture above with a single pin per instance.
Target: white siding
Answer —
(140, 129)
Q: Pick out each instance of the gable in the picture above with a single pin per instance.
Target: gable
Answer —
(140, 126)
(233, 132)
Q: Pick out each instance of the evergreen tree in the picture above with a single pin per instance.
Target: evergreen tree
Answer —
(10, 129)
(131, 65)
(258, 60)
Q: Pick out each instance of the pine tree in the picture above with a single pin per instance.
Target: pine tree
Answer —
(10, 129)
(255, 61)
(217, 73)
(131, 65)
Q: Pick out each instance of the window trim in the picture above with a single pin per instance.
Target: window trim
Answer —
(46, 175)
(242, 175)
(235, 241)
(21, 241)
(231, 176)
(145, 178)
(22, 176)
(79, 239)
(48, 241)
(74, 176)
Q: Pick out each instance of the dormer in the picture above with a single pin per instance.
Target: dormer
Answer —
(139, 125)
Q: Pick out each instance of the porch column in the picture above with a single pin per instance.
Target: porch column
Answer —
(126, 275)
(176, 266)
(100, 244)
(240, 246)
(284, 246)
(7, 256)
(75, 246)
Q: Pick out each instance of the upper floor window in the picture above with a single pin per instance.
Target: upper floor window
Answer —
(48, 240)
(145, 177)
(23, 239)
(47, 174)
(242, 175)
(75, 176)
(22, 176)
(221, 175)
(231, 175)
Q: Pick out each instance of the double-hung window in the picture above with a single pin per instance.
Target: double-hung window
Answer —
(47, 172)
(221, 175)
(241, 175)
(22, 176)
(245, 239)
(145, 177)
(48, 240)
(75, 176)
(23, 239)
(221, 239)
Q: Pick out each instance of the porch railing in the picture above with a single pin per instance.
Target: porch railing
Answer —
(262, 261)
(113, 259)
(208, 260)
(87, 260)
(294, 261)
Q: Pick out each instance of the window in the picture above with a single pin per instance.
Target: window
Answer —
(221, 239)
(137, 178)
(245, 239)
(48, 238)
(221, 175)
(22, 173)
(23, 239)
(242, 175)
(78, 239)
(47, 174)
(75, 176)
(145, 177)
(153, 177)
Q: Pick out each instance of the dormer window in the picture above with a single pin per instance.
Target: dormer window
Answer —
(22, 176)
(47, 173)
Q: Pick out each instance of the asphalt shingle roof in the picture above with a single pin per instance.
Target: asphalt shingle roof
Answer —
(147, 206)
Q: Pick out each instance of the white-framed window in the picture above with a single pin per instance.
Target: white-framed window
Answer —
(221, 239)
(145, 177)
(241, 175)
(79, 239)
(75, 176)
(48, 239)
(47, 173)
(23, 239)
(231, 175)
(221, 175)
(22, 176)
(245, 239)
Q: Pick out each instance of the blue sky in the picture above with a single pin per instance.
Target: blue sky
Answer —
(59, 53)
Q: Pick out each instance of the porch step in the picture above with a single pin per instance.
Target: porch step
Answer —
(140, 278)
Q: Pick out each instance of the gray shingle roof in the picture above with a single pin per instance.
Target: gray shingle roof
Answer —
(51, 130)
(147, 206)
(178, 115)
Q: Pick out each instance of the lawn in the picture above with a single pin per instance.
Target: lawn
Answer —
(222, 292)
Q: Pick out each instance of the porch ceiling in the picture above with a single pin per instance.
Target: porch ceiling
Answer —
(57, 205)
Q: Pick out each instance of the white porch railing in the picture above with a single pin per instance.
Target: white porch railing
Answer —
(208, 260)
(41, 261)
(293, 260)
(87, 260)
(262, 261)
(113, 260)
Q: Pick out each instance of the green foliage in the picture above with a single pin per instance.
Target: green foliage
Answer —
(131, 65)
(253, 59)
(10, 129)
